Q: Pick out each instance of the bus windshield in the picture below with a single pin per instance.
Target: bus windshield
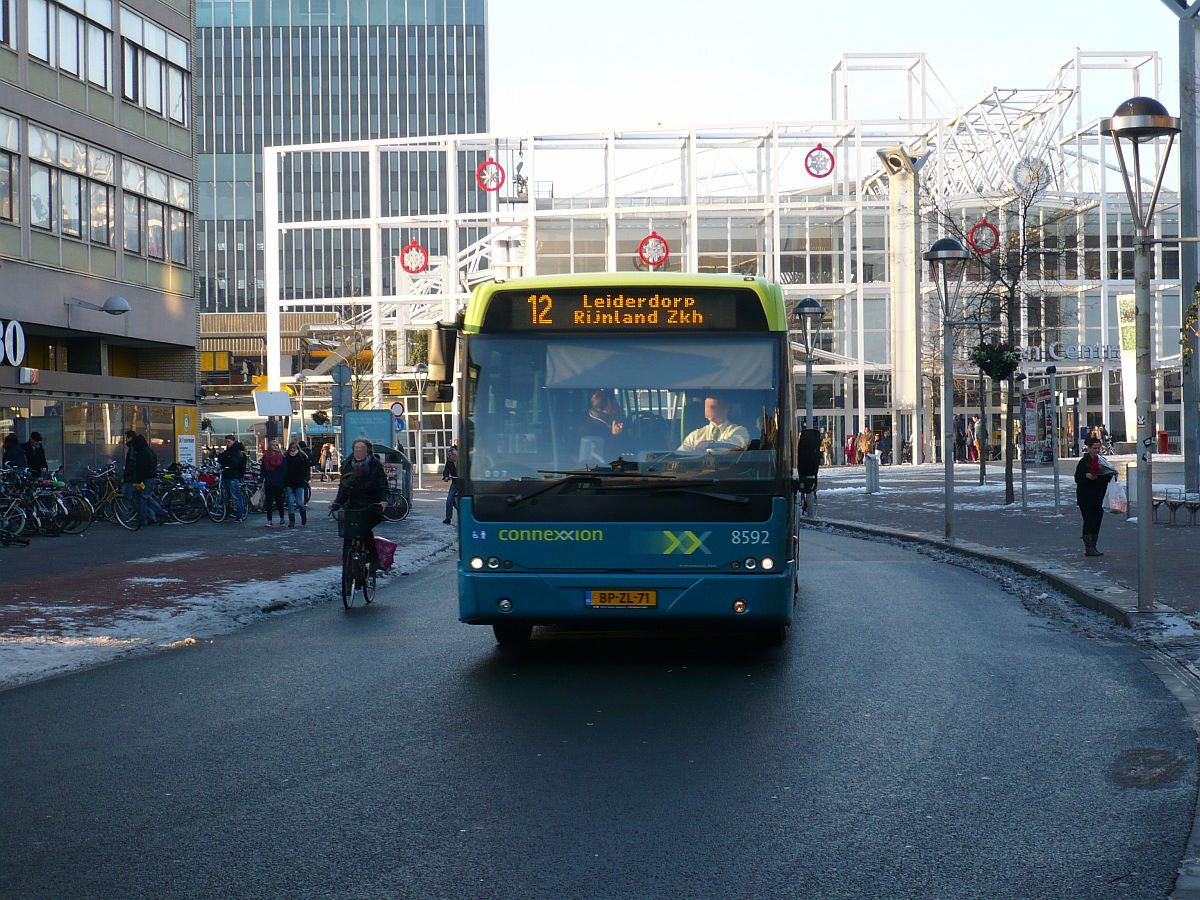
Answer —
(700, 408)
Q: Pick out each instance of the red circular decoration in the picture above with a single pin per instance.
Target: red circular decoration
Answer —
(984, 237)
(490, 175)
(414, 258)
(654, 250)
(819, 162)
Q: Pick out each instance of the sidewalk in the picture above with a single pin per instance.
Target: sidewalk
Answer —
(74, 601)
(911, 501)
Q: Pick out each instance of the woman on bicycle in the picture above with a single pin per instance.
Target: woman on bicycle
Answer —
(363, 490)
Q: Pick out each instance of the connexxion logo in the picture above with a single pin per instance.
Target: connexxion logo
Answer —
(681, 543)
(550, 534)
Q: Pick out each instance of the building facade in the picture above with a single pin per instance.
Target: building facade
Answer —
(837, 209)
(286, 72)
(96, 217)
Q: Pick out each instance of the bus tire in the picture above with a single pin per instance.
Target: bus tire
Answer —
(512, 634)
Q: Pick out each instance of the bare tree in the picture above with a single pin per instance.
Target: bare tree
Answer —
(1005, 246)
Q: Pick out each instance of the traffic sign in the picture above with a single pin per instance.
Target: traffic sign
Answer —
(399, 424)
(340, 374)
(397, 409)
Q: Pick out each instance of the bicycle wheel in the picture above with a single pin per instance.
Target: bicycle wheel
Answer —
(185, 505)
(12, 519)
(51, 515)
(369, 578)
(397, 507)
(307, 493)
(125, 513)
(349, 572)
(215, 505)
(81, 513)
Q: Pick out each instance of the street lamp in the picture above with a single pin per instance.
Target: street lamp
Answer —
(809, 312)
(114, 306)
(422, 373)
(1137, 121)
(947, 260)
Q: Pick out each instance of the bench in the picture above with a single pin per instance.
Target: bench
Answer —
(1174, 500)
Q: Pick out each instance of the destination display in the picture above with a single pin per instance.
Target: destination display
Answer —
(608, 309)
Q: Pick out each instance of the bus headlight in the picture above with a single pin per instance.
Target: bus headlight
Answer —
(750, 563)
(739, 606)
(476, 562)
(493, 562)
(768, 564)
(505, 604)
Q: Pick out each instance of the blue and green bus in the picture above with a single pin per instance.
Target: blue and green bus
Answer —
(628, 454)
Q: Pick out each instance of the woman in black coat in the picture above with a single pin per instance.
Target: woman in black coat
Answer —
(363, 492)
(1092, 476)
(13, 454)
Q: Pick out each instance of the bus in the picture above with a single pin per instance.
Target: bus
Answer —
(628, 455)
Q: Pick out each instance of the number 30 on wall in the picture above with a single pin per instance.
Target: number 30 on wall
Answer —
(12, 348)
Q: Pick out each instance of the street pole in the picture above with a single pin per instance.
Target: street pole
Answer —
(808, 386)
(1145, 438)
(420, 422)
(1054, 435)
(948, 415)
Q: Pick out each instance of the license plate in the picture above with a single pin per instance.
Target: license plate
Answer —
(620, 598)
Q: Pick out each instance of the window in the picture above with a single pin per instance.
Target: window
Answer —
(8, 22)
(157, 213)
(74, 36)
(10, 149)
(70, 186)
(154, 66)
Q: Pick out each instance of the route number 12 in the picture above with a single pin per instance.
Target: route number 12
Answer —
(539, 309)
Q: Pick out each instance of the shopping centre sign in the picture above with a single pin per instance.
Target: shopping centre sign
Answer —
(12, 343)
(1060, 352)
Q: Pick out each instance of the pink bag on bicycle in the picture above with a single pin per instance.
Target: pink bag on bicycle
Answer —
(386, 551)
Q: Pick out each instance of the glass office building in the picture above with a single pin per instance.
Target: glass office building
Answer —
(276, 72)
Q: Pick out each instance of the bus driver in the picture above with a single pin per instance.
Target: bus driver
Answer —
(719, 433)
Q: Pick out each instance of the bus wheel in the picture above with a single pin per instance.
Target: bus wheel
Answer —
(773, 634)
(512, 634)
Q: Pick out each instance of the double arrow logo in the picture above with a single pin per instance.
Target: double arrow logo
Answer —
(688, 541)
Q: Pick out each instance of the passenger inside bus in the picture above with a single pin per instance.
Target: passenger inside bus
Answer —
(600, 438)
(719, 433)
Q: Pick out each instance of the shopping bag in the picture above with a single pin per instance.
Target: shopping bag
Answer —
(386, 551)
(1115, 498)
(258, 498)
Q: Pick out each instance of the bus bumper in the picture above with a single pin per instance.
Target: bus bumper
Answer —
(561, 599)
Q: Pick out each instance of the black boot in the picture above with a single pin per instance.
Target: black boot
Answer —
(1090, 541)
(304, 515)
(291, 520)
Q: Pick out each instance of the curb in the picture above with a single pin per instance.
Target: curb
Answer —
(1118, 603)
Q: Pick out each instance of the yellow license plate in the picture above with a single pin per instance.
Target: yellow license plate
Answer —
(620, 598)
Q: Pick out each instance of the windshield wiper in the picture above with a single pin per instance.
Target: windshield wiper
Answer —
(568, 478)
(604, 473)
(689, 487)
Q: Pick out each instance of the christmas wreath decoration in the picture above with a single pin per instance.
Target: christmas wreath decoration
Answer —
(997, 361)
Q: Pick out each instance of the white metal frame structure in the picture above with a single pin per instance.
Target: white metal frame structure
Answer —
(742, 199)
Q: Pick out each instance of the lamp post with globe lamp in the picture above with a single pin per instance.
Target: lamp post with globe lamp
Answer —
(1138, 121)
(947, 259)
(808, 312)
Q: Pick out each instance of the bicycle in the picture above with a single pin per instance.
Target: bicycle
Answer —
(398, 506)
(358, 570)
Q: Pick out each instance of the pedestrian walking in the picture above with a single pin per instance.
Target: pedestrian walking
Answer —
(450, 474)
(960, 440)
(274, 475)
(885, 447)
(981, 439)
(329, 463)
(826, 448)
(139, 479)
(232, 461)
(851, 449)
(866, 443)
(295, 482)
(1092, 475)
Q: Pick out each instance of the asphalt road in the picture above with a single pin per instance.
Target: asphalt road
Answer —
(922, 734)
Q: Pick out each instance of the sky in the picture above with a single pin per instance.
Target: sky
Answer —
(565, 65)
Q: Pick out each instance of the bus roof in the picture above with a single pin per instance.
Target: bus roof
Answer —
(768, 292)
